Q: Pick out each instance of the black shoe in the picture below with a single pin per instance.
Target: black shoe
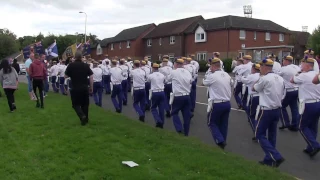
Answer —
(83, 120)
(159, 125)
(14, 107)
(191, 115)
(255, 139)
(147, 108)
(293, 129)
(283, 127)
(141, 118)
(124, 103)
(168, 114)
(222, 145)
(42, 106)
(37, 105)
(279, 162)
(118, 111)
(314, 152)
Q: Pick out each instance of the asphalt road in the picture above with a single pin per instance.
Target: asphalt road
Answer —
(290, 144)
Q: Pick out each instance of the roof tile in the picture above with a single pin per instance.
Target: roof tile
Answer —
(131, 33)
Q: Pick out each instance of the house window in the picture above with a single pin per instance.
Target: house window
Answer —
(241, 54)
(281, 37)
(255, 35)
(242, 34)
(160, 41)
(112, 46)
(160, 57)
(268, 36)
(172, 39)
(200, 37)
(201, 56)
(171, 57)
(149, 42)
(149, 58)
(120, 45)
(128, 44)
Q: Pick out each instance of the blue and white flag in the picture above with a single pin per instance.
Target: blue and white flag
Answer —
(86, 48)
(52, 50)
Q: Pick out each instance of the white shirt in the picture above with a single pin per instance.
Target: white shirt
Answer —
(316, 66)
(138, 78)
(250, 80)
(219, 84)
(149, 63)
(170, 64)
(157, 81)
(116, 75)
(181, 81)
(106, 60)
(196, 64)
(271, 90)
(147, 69)
(307, 90)
(287, 73)
(54, 70)
(90, 65)
(166, 71)
(192, 69)
(276, 68)
(245, 69)
(61, 70)
(236, 71)
(105, 69)
(125, 71)
(97, 74)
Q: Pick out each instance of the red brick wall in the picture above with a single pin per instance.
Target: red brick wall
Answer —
(98, 57)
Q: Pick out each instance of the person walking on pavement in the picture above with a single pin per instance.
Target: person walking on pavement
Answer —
(166, 71)
(124, 83)
(97, 84)
(116, 87)
(106, 76)
(9, 82)
(27, 65)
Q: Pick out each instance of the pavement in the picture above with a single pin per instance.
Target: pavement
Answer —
(290, 144)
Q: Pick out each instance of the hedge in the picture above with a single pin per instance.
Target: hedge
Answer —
(226, 63)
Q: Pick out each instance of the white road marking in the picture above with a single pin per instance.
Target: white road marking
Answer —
(231, 108)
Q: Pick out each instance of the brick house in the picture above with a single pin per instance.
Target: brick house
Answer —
(168, 39)
(129, 42)
(98, 50)
(234, 36)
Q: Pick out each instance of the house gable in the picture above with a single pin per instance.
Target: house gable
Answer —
(200, 35)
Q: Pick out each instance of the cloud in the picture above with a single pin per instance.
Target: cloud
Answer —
(59, 4)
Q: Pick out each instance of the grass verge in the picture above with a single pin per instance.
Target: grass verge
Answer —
(50, 144)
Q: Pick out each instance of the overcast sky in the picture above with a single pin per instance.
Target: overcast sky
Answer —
(106, 18)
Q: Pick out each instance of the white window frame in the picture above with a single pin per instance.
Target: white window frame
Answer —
(128, 44)
(149, 42)
(240, 54)
(268, 38)
(200, 37)
(149, 58)
(160, 57)
(112, 46)
(255, 35)
(201, 56)
(160, 41)
(172, 39)
(281, 37)
(120, 45)
(171, 57)
(242, 34)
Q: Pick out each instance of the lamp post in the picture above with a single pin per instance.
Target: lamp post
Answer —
(85, 26)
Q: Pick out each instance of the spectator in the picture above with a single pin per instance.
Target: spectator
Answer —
(27, 64)
(9, 82)
(16, 66)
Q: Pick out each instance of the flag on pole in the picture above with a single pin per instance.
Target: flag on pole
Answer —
(32, 48)
(86, 48)
(52, 50)
(70, 51)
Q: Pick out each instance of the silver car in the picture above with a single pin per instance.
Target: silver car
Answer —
(22, 69)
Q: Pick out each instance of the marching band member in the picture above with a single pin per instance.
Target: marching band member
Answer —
(139, 77)
(106, 76)
(180, 98)
(287, 71)
(125, 72)
(104, 62)
(238, 83)
(147, 70)
(245, 71)
(219, 107)
(192, 69)
(116, 79)
(130, 66)
(166, 71)
(97, 84)
(276, 66)
(169, 63)
(309, 109)
(54, 75)
(62, 68)
(253, 97)
(310, 54)
(196, 64)
(158, 96)
(217, 55)
(271, 91)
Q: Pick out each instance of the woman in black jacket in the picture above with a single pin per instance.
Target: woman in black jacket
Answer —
(16, 66)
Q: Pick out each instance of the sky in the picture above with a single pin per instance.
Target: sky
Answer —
(106, 18)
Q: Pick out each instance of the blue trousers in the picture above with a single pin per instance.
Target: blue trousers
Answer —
(157, 107)
(167, 91)
(244, 99)
(54, 84)
(183, 104)
(308, 125)
(106, 83)
(148, 86)
(252, 109)
(124, 85)
(193, 95)
(139, 101)
(236, 92)
(46, 86)
(290, 100)
(30, 88)
(268, 121)
(117, 92)
(97, 93)
(129, 83)
(63, 87)
(218, 119)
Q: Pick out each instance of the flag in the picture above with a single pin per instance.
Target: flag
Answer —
(86, 48)
(70, 51)
(32, 48)
(38, 48)
(52, 50)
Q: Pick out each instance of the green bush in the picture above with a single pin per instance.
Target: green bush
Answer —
(203, 66)
(227, 65)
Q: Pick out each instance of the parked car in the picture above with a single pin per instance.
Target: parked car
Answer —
(22, 69)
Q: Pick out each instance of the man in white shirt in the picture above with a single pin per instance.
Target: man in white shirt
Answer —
(287, 72)
(217, 55)
(139, 77)
(157, 97)
(196, 64)
(271, 91)
(253, 97)
(309, 109)
(181, 86)
(219, 84)
(276, 66)
(125, 73)
(61, 70)
(104, 62)
(310, 54)
(54, 77)
(147, 70)
(116, 79)
(169, 63)
(192, 69)
(106, 77)
(166, 71)
(97, 84)
(238, 83)
(129, 63)
(244, 72)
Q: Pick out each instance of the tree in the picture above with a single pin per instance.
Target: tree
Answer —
(8, 43)
(314, 41)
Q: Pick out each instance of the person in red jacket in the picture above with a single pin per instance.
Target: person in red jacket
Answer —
(38, 74)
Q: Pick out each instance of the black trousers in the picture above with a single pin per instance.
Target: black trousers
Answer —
(38, 84)
(80, 102)
(10, 97)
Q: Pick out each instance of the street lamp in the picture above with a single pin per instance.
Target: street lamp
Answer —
(85, 27)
